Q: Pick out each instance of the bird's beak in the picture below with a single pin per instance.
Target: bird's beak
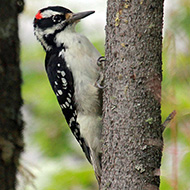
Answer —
(77, 16)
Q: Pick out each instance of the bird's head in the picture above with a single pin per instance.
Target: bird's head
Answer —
(50, 21)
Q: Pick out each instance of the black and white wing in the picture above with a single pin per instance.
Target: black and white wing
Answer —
(62, 83)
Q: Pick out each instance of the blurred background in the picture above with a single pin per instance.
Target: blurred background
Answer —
(53, 159)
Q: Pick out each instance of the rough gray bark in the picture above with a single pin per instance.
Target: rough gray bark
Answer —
(132, 133)
(11, 125)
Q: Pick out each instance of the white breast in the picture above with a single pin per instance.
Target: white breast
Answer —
(81, 56)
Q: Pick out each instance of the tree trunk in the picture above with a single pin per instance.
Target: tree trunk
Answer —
(11, 124)
(132, 133)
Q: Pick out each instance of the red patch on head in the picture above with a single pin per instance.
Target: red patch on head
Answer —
(38, 15)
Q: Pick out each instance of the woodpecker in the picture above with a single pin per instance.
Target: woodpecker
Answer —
(71, 66)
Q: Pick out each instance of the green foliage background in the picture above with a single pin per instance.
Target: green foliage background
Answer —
(47, 130)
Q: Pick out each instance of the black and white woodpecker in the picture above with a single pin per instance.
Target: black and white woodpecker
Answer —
(71, 66)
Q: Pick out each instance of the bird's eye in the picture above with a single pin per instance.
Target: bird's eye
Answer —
(57, 18)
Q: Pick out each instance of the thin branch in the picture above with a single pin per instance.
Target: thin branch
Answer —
(168, 120)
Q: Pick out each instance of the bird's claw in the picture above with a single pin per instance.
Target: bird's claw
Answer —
(100, 62)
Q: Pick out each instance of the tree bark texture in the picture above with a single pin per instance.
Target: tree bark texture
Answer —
(11, 124)
(132, 133)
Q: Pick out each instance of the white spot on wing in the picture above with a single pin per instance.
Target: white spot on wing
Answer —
(75, 131)
(64, 81)
(63, 73)
(75, 113)
(67, 104)
(63, 106)
(71, 120)
(60, 92)
(69, 100)
(61, 53)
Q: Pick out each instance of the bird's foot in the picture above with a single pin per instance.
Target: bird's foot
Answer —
(101, 61)
(99, 82)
